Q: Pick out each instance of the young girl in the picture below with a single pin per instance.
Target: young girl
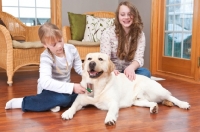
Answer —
(125, 42)
(54, 87)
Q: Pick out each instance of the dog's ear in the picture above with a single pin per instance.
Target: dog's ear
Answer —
(111, 66)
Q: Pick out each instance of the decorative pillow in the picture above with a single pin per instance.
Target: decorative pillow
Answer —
(77, 25)
(27, 45)
(95, 27)
(3, 24)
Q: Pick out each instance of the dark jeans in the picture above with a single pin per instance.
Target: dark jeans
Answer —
(142, 71)
(47, 100)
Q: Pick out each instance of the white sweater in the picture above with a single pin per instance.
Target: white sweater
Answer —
(58, 80)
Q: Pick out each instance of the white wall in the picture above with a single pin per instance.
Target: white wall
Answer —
(82, 6)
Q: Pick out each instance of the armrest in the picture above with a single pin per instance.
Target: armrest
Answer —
(32, 33)
(6, 50)
(5, 39)
(66, 33)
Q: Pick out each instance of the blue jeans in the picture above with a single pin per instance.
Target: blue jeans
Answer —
(142, 71)
(47, 100)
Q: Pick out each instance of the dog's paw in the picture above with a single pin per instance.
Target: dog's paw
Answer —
(110, 120)
(67, 115)
(167, 103)
(154, 108)
(184, 105)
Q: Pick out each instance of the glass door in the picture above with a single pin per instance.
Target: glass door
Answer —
(178, 28)
(175, 41)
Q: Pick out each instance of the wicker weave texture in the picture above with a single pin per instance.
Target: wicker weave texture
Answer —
(19, 30)
(102, 14)
(12, 59)
(84, 50)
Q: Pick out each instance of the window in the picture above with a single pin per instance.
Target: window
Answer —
(44, 10)
(30, 12)
(178, 28)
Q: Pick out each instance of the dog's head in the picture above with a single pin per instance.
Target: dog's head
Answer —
(96, 64)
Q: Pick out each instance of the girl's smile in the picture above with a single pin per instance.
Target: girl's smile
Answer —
(125, 18)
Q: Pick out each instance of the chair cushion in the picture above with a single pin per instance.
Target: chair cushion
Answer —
(27, 45)
(85, 43)
(95, 27)
(77, 25)
(3, 24)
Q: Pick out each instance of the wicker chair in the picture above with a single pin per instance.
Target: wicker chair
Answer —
(12, 59)
(85, 49)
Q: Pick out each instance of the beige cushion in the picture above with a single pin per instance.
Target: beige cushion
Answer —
(26, 45)
(85, 43)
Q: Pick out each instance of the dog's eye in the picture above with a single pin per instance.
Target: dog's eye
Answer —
(100, 59)
(89, 58)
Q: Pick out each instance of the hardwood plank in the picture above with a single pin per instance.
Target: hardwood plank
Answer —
(89, 119)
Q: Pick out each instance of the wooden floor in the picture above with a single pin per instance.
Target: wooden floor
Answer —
(91, 119)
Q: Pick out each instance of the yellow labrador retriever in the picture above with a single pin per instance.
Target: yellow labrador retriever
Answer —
(111, 92)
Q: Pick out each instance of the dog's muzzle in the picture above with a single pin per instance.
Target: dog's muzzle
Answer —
(92, 73)
(92, 65)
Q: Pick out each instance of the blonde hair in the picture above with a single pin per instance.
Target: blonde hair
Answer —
(49, 34)
(132, 37)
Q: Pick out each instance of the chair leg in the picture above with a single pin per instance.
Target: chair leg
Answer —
(10, 77)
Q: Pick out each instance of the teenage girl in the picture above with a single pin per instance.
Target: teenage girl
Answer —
(125, 42)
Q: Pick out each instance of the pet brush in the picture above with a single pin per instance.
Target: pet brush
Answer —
(89, 87)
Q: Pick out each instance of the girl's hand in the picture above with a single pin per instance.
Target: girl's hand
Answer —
(130, 72)
(116, 72)
(78, 89)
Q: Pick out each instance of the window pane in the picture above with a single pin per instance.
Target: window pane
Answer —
(188, 24)
(27, 3)
(170, 2)
(43, 13)
(177, 1)
(43, 3)
(11, 10)
(177, 44)
(9, 2)
(178, 23)
(28, 21)
(187, 45)
(169, 18)
(168, 44)
(27, 12)
(173, 2)
(186, 1)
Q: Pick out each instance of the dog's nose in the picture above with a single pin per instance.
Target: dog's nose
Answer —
(92, 65)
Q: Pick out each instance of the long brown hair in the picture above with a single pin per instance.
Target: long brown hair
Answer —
(133, 35)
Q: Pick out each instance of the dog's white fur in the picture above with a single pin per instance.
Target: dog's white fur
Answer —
(112, 92)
